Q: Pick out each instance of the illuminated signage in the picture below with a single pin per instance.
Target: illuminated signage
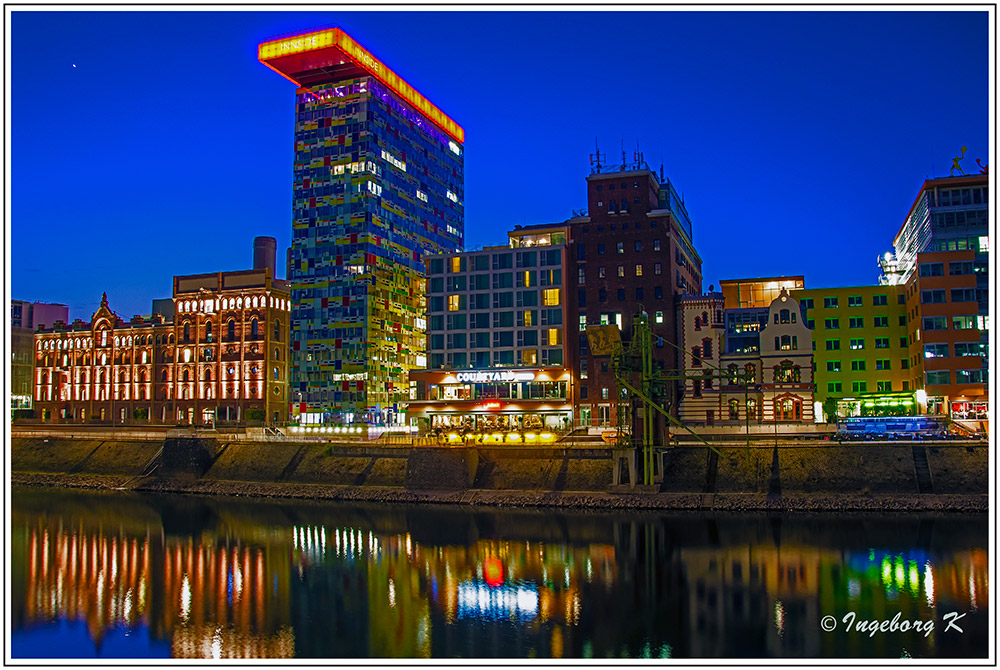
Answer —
(338, 39)
(297, 44)
(495, 376)
(492, 405)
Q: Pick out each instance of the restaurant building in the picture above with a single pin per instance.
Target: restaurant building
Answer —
(496, 337)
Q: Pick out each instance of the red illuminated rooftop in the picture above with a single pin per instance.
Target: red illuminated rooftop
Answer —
(330, 55)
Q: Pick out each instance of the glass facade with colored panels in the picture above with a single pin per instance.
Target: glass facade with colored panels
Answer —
(376, 186)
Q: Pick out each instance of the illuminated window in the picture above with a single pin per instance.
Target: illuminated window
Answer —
(656, 245)
(554, 336)
(963, 323)
(659, 317)
(638, 270)
(454, 302)
(858, 344)
(601, 272)
(550, 297)
(621, 270)
(456, 264)
(620, 247)
(833, 366)
(583, 322)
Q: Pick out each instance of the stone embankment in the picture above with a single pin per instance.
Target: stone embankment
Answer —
(797, 476)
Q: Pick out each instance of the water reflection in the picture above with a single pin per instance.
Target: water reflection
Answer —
(227, 579)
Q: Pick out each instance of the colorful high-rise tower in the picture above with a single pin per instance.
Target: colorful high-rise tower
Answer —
(378, 183)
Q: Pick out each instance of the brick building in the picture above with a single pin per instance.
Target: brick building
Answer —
(633, 252)
(225, 353)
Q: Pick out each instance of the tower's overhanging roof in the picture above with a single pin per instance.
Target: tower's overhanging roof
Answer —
(331, 54)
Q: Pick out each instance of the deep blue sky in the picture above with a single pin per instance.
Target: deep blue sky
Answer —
(798, 139)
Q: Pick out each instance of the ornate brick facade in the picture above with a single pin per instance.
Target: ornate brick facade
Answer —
(224, 354)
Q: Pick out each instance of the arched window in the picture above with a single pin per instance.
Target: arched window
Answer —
(163, 376)
(142, 393)
(277, 354)
(102, 378)
(231, 330)
(45, 378)
(208, 331)
(171, 338)
(751, 372)
(121, 377)
(187, 331)
(277, 376)
(208, 375)
(253, 329)
(185, 376)
(277, 331)
(142, 376)
(734, 409)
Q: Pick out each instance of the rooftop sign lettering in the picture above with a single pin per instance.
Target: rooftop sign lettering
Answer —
(495, 376)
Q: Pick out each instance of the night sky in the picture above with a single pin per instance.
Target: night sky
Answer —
(145, 145)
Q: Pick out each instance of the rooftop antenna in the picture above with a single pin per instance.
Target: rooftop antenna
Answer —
(595, 158)
(624, 161)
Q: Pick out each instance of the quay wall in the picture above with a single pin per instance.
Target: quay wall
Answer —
(213, 461)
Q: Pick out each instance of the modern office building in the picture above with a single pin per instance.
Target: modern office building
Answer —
(942, 259)
(497, 326)
(861, 351)
(949, 214)
(632, 252)
(947, 301)
(378, 183)
(25, 317)
(223, 359)
(766, 378)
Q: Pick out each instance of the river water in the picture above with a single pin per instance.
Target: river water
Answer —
(122, 575)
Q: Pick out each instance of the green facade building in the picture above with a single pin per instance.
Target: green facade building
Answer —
(861, 351)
